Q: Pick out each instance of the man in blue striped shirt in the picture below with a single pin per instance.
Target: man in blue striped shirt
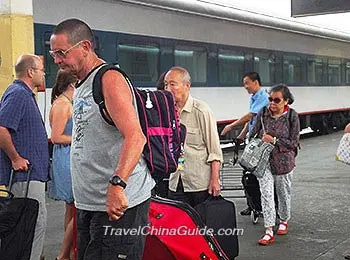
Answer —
(23, 140)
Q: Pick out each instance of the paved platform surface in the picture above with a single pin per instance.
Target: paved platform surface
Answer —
(320, 223)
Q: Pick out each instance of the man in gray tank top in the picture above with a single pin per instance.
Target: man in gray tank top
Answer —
(111, 182)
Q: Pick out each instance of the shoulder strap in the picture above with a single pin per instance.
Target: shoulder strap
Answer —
(290, 116)
(291, 110)
(97, 89)
(262, 119)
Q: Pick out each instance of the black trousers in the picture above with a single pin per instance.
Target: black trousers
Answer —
(102, 239)
(191, 198)
(161, 189)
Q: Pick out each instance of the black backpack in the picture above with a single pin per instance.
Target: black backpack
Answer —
(159, 120)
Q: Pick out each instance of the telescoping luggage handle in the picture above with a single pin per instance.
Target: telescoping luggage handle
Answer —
(13, 172)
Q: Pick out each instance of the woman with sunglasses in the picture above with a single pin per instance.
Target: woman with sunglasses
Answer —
(282, 129)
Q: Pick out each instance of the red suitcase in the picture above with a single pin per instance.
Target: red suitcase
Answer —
(176, 232)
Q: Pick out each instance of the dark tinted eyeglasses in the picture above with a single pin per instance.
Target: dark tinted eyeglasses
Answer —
(275, 100)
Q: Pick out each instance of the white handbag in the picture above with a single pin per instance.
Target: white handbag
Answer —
(343, 151)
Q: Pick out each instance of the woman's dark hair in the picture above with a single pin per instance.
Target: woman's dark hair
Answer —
(286, 94)
(160, 82)
(63, 79)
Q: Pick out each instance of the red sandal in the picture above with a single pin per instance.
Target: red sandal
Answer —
(267, 239)
(282, 229)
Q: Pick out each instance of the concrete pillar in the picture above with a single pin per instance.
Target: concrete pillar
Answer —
(16, 36)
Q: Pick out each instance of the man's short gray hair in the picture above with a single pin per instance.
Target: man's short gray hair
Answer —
(76, 30)
(184, 73)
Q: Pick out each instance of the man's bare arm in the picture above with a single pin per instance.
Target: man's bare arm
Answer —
(243, 120)
(244, 132)
(214, 185)
(118, 99)
(119, 104)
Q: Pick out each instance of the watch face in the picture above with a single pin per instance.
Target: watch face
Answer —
(116, 180)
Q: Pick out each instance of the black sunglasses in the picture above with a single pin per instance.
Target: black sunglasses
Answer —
(275, 100)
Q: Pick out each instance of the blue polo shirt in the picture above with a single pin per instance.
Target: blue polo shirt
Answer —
(20, 114)
(257, 101)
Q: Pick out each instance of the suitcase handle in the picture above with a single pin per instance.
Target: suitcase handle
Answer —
(13, 172)
(214, 198)
(9, 193)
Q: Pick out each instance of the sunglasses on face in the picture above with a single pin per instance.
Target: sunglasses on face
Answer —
(275, 100)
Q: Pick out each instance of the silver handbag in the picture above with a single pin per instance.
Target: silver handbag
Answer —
(256, 154)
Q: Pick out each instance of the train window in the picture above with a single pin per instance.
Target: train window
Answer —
(315, 71)
(139, 61)
(194, 59)
(51, 68)
(334, 72)
(265, 65)
(231, 67)
(291, 70)
(347, 72)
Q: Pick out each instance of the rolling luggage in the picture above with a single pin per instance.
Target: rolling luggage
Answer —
(252, 192)
(176, 232)
(18, 218)
(224, 221)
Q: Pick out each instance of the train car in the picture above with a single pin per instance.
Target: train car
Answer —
(217, 44)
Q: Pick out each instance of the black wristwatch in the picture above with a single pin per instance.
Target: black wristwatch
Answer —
(116, 180)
